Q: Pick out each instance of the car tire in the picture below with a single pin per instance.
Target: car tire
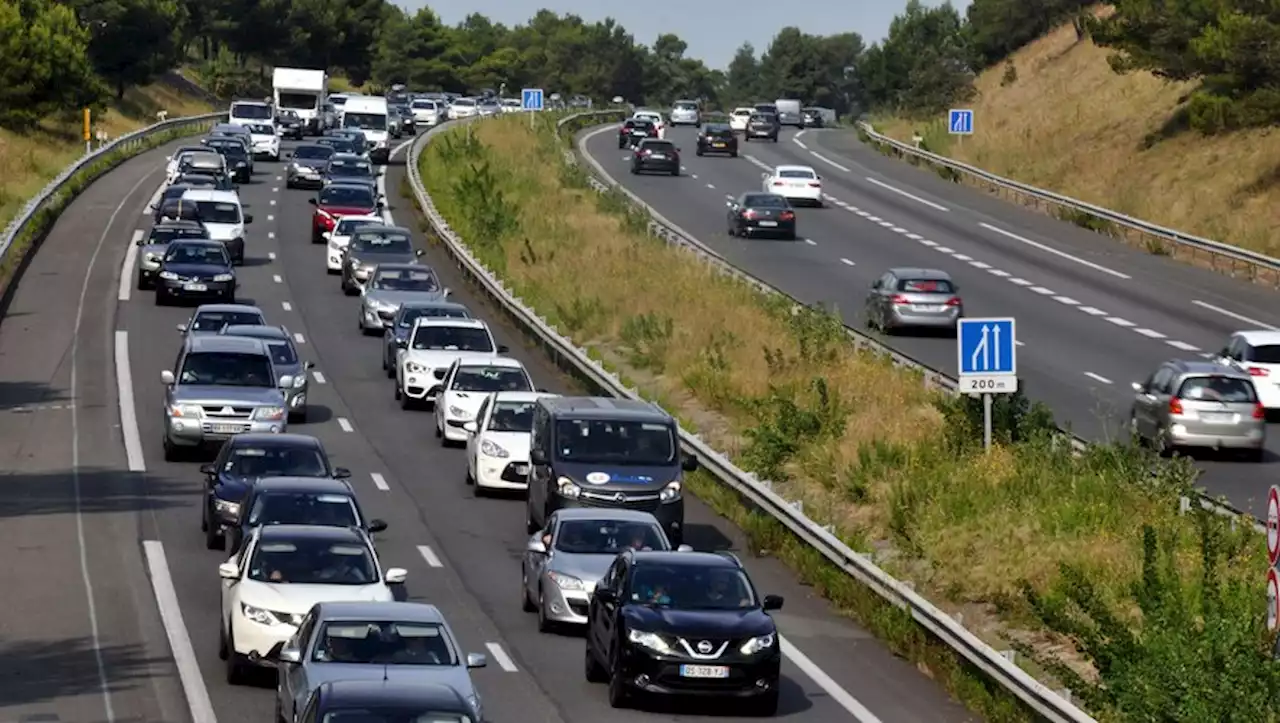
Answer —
(675, 171)
(733, 154)
(142, 285)
(172, 453)
(544, 625)
(619, 696)
(214, 540)
(288, 184)
(234, 670)
(349, 289)
(439, 433)
(731, 232)
(525, 603)
(775, 139)
(745, 138)
(529, 525)
(162, 299)
(594, 672)
(698, 153)
(298, 417)
(222, 643)
(229, 297)
(406, 401)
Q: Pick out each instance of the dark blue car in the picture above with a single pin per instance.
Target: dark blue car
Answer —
(396, 334)
(195, 269)
(247, 458)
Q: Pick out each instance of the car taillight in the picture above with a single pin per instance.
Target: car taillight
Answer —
(1175, 406)
(786, 215)
(749, 213)
(779, 183)
(900, 299)
(953, 301)
(815, 184)
(1257, 372)
(1259, 411)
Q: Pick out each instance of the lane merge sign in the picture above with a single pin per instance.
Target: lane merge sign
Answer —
(987, 351)
(1273, 525)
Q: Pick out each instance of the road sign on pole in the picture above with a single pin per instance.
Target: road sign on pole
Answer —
(960, 122)
(1273, 525)
(988, 362)
(531, 99)
(1273, 599)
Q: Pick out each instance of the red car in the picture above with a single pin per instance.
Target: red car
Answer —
(341, 199)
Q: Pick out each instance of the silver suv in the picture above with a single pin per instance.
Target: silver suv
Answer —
(1199, 404)
(224, 386)
(685, 112)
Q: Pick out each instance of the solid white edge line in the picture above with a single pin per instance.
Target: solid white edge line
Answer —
(126, 268)
(911, 196)
(828, 161)
(380, 482)
(1055, 252)
(345, 424)
(1233, 315)
(128, 412)
(859, 712)
(184, 654)
(430, 556)
(500, 656)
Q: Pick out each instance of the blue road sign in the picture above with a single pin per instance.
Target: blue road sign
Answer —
(988, 356)
(960, 122)
(531, 99)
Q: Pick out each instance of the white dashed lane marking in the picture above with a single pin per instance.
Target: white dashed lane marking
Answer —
(278, 279)
(430, 556)
(345, 424)
(318, 377)
(271, 255)
(500, 657)
(286, 306)
(297, 336)
(1097, 378)
(380, 482)
(847, 262)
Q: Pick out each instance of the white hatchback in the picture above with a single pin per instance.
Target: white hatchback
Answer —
(468, 382)
(265, 140)
(498, 441)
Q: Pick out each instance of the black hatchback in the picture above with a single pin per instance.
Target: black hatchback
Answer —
(761, 214)
(717, 138)
(655, 155)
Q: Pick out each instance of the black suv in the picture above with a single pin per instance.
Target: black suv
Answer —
(683, 623)
(717, 138)
(762, 126)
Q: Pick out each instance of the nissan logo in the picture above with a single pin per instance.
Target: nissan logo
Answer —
(704, 647)
(620, 498)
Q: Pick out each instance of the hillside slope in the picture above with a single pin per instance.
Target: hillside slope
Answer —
(1069, 124)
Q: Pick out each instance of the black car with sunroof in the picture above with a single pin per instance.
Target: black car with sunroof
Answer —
(237, 156)
(383, 701)
(395, 335)
(717, 138)
(172, 192)
(247, 458)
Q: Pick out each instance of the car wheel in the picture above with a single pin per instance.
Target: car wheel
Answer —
(214, 540)
(162, 299)
(698, 152)
(222, 643)
(142, 285)
(619, 696)
(298, 417)
(529, 525)
(406, 401)
(595, 673)
(525, 603)
(733, 154)
(234, 671)
(349, 289)
(439, 431)
(229, 297)
(1254, 455)
(289, 184)
(172, 453)
(731, 231)
(675, 171)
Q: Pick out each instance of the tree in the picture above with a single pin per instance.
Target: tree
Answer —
(413, 50)
(922, 66)
(44, 66)
(133, 41)
(996, 28)
(743, 80)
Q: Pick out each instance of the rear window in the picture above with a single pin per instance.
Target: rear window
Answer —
(762, 118)
(637, 123)
(659, 146)
(718, 129)
(686, 106)
(926, 286)
(1269, 354)
(797, 174)
(1217, 389)
(765, 201)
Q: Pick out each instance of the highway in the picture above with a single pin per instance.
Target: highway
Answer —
(1093, 314)
(121, 597)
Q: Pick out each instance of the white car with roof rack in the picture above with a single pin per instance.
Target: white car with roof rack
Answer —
(339, 238)
(1257, 353)
(795, 183)
(433, 345)
(654, 117)
(468, 382)
(265, 140)
(498, 441)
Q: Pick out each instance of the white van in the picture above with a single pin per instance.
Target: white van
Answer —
(222, 215)
(246, 112)
(368, 114)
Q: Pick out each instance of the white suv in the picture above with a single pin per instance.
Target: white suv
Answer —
(434, 344)
(1257, 353)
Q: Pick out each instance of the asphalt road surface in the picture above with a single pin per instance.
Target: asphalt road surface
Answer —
(113, 600)
(1093, 314)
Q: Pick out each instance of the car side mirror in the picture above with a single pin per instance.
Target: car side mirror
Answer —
(381, 205)
(1137, 387)
(538, 456)
(503, 348)
(291, 656)
(286, 381)
(341, 473)
(248, 219)
(438, 374)
(182, 328)
(396, 575)
(689, 463)
(402, 343)
(471, 428)
(288, 156)
(728, 204)
(772, 602)
(326, 235)
(208, 469)
(311, 201)
(229, 571)
(377, 525)
(536, 546)
(1224, 353)
(309, 366)
(476, 660)
(142, 242)
(419, 253)
(684, 548)
(166, 377)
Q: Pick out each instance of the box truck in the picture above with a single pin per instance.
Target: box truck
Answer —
(303, 91)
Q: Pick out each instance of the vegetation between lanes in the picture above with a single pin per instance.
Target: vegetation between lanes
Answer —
(1083, 564)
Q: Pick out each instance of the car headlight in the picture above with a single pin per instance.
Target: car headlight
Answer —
(168, 275)
(568, 488)
(262, 616)
(226, 507)
(300, 380)
(151, 258)
(566, 582)
(224, 277)
(185, 410)
(353, 262)
(759, 644)
(459, 412)
(415, 368)
(295, 168)
(670, 493)
(489, 449)
(652, 641)
(269, 414)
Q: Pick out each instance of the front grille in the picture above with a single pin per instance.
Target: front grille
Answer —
(646, 503)
(578, 607)
(224, 413)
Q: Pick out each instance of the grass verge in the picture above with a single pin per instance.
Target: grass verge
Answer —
(1063, 121)
(1032, 546)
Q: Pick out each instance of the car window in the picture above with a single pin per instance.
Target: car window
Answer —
(511, 417)
(310, 152)
(268, 460)
(348, 226)
(218, 212)
(765, 200)
(686, 106)
(251, 110)
(926, 286)
(227, 369)
(312, 562)
(411, 315)
(659, 146)
(163, 235)
(180, 253)
(460, 338)
(607, 537)
(490, 379)
(357, 196)
(690, 587)
(384, 642)
(1265, 354)
(1212, 388)
(215, 320)
(350, 168)
(282, 353)
(278, 507)
(420, 279)
(261, 129)
(377, 242)
(615, 442)
(796, 173)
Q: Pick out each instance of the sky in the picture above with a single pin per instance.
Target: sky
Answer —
(713, 30)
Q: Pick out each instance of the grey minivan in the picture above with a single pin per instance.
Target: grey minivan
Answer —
(1199, 404)
(285, 359)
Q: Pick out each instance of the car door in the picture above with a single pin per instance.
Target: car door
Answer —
(608, 614)
(1153, 402)
(473, 439)
(293, 676)
(596, 611)
(229, 587)
(539, 474)
(1234, 353)
(442, 400)
(311, 713)
(888, 283)
(535, 562)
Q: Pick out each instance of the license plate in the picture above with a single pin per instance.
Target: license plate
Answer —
(769, 224)
(658, 156)
(928, 307)
(194, 287)
(717, 145)
(226, 428)
(522, 469)
(1218, 418)
(704, 671)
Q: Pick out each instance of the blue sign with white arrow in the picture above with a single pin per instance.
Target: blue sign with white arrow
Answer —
(531, 99)
(960, 121)
(988, 356)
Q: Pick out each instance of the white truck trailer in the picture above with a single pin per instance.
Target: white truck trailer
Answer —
(304, 92)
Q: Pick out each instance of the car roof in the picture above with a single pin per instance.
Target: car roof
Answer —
(604, 513)
(765, 194)
(279, 439)
(450, 321)
(179, 223)
(319, 485)
(204, 242)
(300, 146)
(402, 266)
(780, 169)
(362, 217)
(348, 184)
(1256, 337)
(603, 408)
(211, 194)
(400, 611)
(520, 396)
(689, 559)
(377, 694)
(441, 304)
(478, 360)
(204, 154)
(224, 308)
(1197, 367)
(385, 228)
(352, 157)
(226, 344)
(256, 331)
(311, 532)
(919, 274)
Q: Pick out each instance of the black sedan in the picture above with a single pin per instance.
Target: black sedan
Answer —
(350, 168)
(761, 214)
(195, 269)
(168, 196)
(656, 155)
(246, 458)
(317, 501)
(812, 118)
(237, 157)
(290, 124)
(152, 247)
(717, 138)
(636, 130)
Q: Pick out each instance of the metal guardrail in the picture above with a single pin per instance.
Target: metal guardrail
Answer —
(1032, 692)
(128, 144)
(1260, 268)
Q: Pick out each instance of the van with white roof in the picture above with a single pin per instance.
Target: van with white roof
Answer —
(244, 112)
(368, 114)
(304, 92)
(223, 216)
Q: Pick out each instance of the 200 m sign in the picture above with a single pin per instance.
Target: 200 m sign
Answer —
(988, 384)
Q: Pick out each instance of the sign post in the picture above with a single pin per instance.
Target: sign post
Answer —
(88, 138)
(988, 362)
(531, 100)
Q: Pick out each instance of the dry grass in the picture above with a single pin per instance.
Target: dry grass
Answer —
(28, 161)
(1071, 125)
(966, 528)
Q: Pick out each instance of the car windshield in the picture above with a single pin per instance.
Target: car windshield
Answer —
(607, 537)
(215, 320)
(420, 279)
(227, 369)
(312, 152)
(180, 253)
(278, 507)
(350, 168)
(373, 242)
(175, 209)
(282, 353)
(251, 110)
(659, 147)
(615, 442)
(384, 642)
(718, 130)
(394, 714)
(229, 147)
(796, 173)
(174, 191)
(452, 338)
(412, 314)
(424, 104)
(205, 180)
(339, 145)
(218, 212)
(163, 235)
(491, 379)
(357, 196)
(464, 102)
(926, 286)
(511, 417)
(1268, 354)
(268, 460)
(762, 118)
(765, 201)
(639, 125)
(312, 562)
(1228, 390)
(370, 121)
(302, 101)
(690, 587)
(686, 106)
(260, 129)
